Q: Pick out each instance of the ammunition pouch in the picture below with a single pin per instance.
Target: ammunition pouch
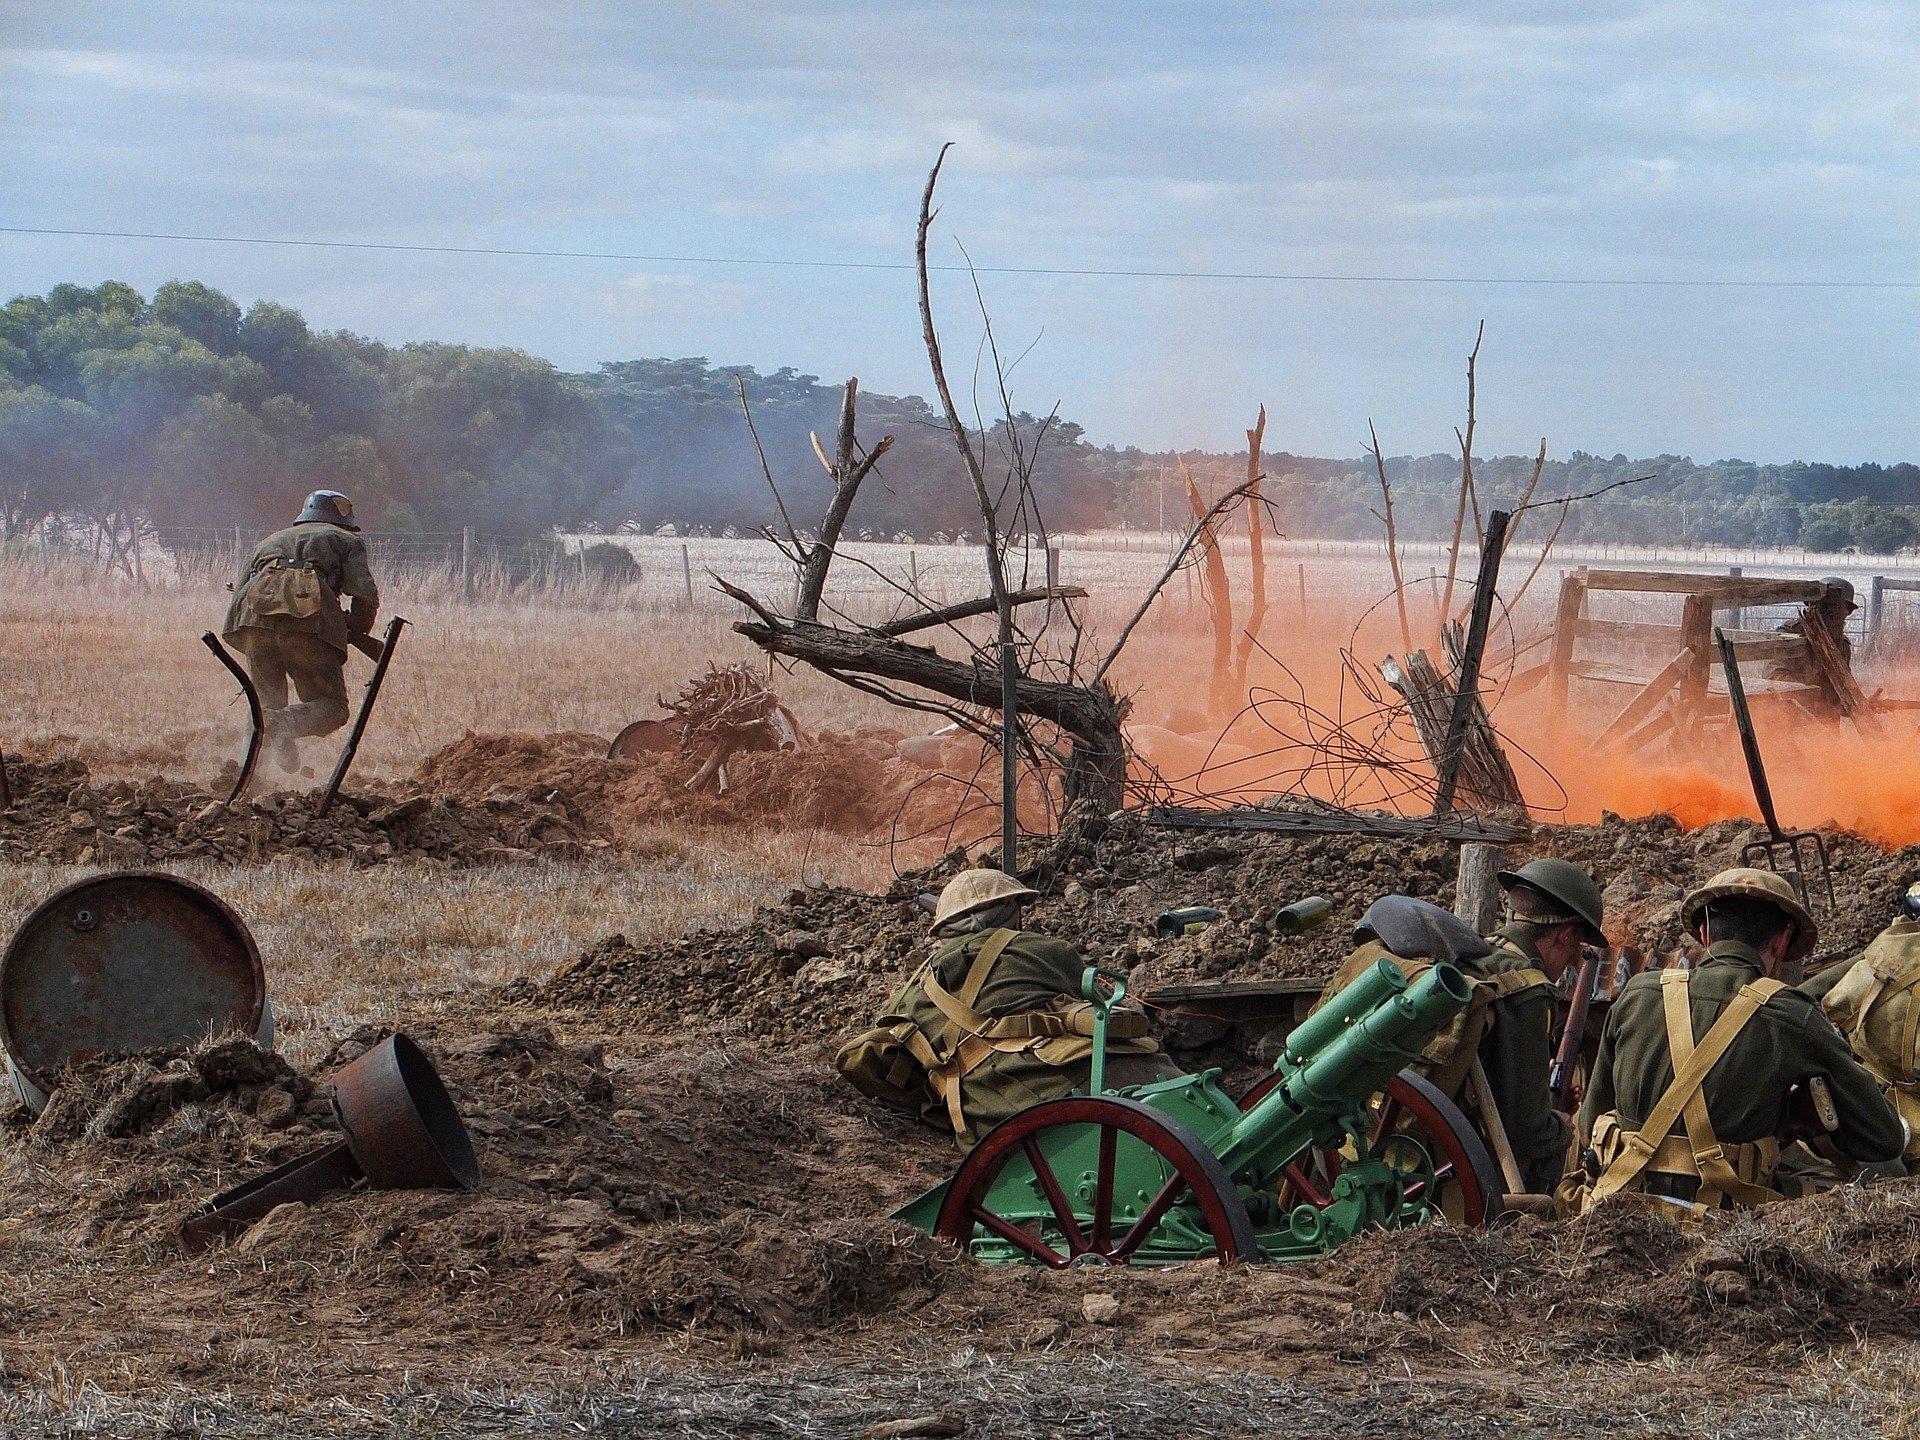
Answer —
(282, 588)
(899, 1064)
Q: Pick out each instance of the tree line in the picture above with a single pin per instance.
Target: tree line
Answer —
(185, 410)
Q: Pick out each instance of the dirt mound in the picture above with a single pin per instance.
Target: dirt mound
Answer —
(115, 1098)
(1627, 1281)
(691, 1186)
(59, 816)
(824, 961)
(854, 783)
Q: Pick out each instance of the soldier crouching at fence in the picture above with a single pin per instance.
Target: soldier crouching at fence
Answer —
(286, 620)
(994, 1022)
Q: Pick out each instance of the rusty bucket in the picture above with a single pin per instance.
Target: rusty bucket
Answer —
(403, 1132)
(123, 962)
(644, 737)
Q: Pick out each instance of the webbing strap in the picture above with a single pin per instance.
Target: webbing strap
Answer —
(1717, 1175)
(963, 1024)
(1691, 1065)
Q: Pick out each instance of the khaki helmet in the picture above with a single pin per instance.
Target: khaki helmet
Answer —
(973, 890)
(1755, 884)
(1839, 591)
(1572, 890)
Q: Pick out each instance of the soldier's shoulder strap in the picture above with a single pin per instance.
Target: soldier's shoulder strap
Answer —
(1691, 1065)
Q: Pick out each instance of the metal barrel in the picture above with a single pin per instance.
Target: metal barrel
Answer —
(1380, 1045)
(1343, 1073)
(1382, 981)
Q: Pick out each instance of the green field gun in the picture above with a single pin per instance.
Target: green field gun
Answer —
(1337, 1140)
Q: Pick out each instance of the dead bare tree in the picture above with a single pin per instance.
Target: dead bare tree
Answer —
(1080, 733)
(1219, 598)
(1256, 555)
(1466, 482)
(1385, 516)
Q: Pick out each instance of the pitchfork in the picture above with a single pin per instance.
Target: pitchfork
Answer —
(1779, 842)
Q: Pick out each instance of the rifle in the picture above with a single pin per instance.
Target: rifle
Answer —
(366, 645)
(1560, 1075)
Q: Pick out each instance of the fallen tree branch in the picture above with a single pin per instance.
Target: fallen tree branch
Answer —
(968, 609)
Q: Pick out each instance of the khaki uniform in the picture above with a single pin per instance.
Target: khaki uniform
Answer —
(286, 619)
(1508, 1026)
(1875, 1003)
(1717, 1142)
(1007, 1029)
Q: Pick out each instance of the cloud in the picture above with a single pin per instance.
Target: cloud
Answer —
(1602, 139)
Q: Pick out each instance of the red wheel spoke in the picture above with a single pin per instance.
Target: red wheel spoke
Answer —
(1298, 1179)
(1050, 1187)
(1103, 1190)
(1012, 1233)
(1150, 1218)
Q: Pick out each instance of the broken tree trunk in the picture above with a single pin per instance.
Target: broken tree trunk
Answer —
(1256, 556)
(1219, 604)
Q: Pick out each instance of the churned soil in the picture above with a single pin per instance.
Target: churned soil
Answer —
(823, 961)
(726, 1203)
(483, 799)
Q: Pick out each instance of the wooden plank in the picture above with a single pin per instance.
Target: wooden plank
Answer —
(1642, 705)
(1726, 590)
(1624, 631)
(1768, 647)
(1286, 986)
(1313, 822)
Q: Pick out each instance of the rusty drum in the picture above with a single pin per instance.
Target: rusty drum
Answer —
(124, 962)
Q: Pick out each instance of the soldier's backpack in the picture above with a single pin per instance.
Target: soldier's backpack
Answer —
(900, 1064)
(286, 588)
(1876, 1005)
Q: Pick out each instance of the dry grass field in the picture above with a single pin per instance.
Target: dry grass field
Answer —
(285, 1341)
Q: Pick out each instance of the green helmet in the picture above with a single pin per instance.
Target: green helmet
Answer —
(1571, 890)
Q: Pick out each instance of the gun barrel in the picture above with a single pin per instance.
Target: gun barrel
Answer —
(1382, 982)
(1342, 1073)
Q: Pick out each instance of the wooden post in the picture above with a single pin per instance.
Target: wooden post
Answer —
(913, 569)
(1876, 598)
(240, 556)
(1053, 576)
(466, 563)
(1696, 628)
(1467, 683)
(1566, 630)
(1476, 890)
(1736, 619)
(1303, 589)
(686, 569)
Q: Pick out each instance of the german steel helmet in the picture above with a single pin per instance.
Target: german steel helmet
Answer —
(1571, 889)
(973, 890)
(1754, 884)
(329, 507)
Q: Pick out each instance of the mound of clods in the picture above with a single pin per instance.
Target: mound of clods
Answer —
(853, 783)
(688, 1186)
(481, 800)
(60, 816)
(823, 962)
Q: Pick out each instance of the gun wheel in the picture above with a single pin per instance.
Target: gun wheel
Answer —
(1100, 1226)
(1465, 1184)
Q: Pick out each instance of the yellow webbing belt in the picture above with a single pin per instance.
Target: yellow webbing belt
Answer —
(1691, 1065)
(964, 1026)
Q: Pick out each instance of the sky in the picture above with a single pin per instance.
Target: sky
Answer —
(1403, 144)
